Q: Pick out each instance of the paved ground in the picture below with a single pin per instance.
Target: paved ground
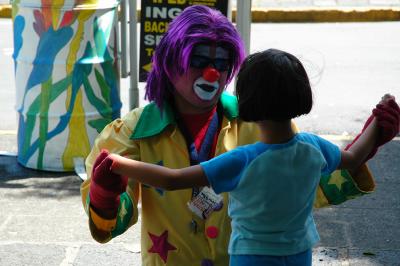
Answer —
(42, 221)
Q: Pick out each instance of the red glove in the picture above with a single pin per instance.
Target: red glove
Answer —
(387, 114)
(106, 186)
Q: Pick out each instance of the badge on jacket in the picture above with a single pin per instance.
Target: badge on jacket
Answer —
(204, 203)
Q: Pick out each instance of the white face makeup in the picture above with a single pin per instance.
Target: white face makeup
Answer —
(193, 92)
(208, 56)
(205, 90)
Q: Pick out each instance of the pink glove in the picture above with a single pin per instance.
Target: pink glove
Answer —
(106, 186)
(387, 114)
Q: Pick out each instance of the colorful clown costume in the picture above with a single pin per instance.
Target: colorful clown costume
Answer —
(170, 233)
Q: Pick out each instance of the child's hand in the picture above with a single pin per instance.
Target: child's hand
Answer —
(105, 186)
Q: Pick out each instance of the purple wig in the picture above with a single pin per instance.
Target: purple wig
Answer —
(195, 25)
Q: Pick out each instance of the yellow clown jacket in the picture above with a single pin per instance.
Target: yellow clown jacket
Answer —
(170, 233)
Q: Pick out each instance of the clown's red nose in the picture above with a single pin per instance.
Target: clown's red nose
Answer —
(210, 74)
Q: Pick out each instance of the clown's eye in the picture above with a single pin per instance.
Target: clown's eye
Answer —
(221, 64)
(199, 61)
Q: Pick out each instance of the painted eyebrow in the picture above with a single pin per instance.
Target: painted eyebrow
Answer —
(207, 57)
(201, 50)
(205, 49)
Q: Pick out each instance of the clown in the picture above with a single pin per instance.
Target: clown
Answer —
(189, 119)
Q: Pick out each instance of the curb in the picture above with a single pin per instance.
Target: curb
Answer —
(314, 14)
(5, 11)
(359, 14)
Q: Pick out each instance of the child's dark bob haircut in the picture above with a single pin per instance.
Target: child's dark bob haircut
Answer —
(273, 85)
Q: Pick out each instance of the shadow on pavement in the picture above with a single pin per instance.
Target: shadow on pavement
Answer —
(21, 182)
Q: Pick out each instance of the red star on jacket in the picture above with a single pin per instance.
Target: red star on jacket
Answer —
(161, 245)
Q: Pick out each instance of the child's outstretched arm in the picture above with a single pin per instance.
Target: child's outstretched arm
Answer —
(159, 176)
(358, 152)
(375, 133)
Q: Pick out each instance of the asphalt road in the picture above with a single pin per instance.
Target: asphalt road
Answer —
(351, 66)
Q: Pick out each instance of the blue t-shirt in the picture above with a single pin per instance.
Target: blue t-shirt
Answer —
(271, 192)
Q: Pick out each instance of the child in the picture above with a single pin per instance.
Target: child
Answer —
(271, 183)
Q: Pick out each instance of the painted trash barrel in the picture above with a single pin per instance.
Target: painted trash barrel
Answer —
(67, 78)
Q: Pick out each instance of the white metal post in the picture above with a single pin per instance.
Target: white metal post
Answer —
(124, 39)
(229, 10)
(243, 21)
(134, 86)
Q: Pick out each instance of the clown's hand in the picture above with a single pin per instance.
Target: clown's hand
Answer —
(106, 186)
(387, 114)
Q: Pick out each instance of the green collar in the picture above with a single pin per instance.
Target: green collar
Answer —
(151, 122)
